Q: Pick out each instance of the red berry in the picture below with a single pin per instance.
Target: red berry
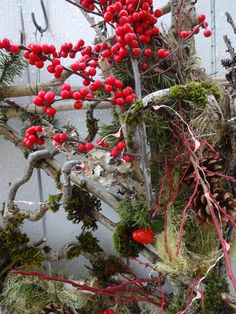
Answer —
(50, 68)
(63, 137)
(148, 52)
(207, 33)
(41, 94)
(38, 129)
(38, 101)
(14, 48)
(58, 68)
(5, 43)
(167, 53)
(108, 88)
(49, 97)
(39, 64)
(77, 95)
(120, 102)
(66, 86)
(144, 236)
(158, 13)
(65, 94)
(136, 52)
(108, 17)
(50, 111)
(183, 34)
(121, 145)
(40, 141)
(56, 137)
(81, 148)
(89, 146)
(196, 29)
(84, 91)
(161, 53)
(115, 152)
(201, 18)
(128, 158)
(78, 105)
(32, 138)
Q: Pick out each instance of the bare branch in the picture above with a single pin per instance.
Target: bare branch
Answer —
(229, 47)
(229, 299)
(141, 130)
(166, 8)
(32, 89)
(231, 21)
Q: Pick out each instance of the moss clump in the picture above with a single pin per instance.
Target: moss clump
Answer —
(86, 243)
(27, 295)
(54, 202)
(132, 117)
(195, 92)
(15, 247)
(123, 242)
(103, 269)
(81, 206)
(57, 179)
(215, 286)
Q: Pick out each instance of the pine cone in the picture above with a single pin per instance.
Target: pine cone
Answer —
(211, 162)
(223, 198)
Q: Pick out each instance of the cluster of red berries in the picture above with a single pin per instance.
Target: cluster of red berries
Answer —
(44, 100)
(122, 96)
(32, 137)
(36, 54)
(67, 49)
(84, 148)
(107, 312)
(59, 138)
(101, 142)
(196, 29)
(66, 92)
(135, 26)
(117, 149)
(6, 44)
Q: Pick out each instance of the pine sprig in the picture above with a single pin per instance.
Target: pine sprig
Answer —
(11, 65)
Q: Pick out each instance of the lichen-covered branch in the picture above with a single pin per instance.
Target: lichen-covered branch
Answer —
(31, 162)
(65, 179)
(51, 167)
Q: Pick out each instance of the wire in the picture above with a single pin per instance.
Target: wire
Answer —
(213, 39)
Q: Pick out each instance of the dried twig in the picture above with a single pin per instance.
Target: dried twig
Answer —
(230, 21)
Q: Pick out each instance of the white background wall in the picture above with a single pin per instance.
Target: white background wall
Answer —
(67, 24)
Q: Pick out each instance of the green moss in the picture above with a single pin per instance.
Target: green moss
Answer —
(15, 247)
(86, 243)
(54, 202)
(132, 117)
(123, 242)
(81, 206)
(215, 286)
(57, 179)
(195, 92)
(104, 269)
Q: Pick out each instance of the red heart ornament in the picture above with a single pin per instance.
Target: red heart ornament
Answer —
(144, 235)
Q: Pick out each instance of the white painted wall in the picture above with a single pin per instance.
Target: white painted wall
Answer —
(67, 24)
